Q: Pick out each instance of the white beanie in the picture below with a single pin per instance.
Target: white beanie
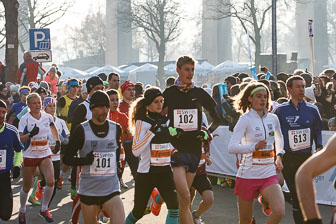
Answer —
(309, 93)
(84, 89)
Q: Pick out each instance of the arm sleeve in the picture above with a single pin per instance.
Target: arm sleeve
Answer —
(71, 111)
(76, 142)
(17, 144)
(61, 103)
(279, 142)
(317, 128)
(118, 139)
(142, 138)
(78, 117)
(239, 131)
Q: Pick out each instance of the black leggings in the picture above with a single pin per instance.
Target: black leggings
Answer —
(292, 162)
(6, 202)
(144, 185)
(57, 167)
(131, 160)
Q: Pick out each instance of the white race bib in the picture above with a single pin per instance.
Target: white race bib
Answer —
(160, 154)
(104, 164)
(39, 144)
(263, 156)
(3, 159)
(299, 139)
(186, 119)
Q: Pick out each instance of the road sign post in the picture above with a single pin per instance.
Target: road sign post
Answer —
(40, 46)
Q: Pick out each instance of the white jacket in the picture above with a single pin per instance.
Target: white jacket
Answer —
(141, 145)
(249, 130)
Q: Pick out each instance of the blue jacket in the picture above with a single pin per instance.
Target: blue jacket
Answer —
(306, 118)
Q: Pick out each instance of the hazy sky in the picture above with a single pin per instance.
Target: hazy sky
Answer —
(83, 7)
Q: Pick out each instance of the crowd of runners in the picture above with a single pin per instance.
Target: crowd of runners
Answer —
(87, 130)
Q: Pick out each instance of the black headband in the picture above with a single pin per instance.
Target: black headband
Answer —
(150, 96)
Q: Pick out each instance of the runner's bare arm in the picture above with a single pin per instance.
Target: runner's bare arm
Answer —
(314, 166)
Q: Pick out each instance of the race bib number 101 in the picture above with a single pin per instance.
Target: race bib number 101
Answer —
(186, 119)
(103, 164)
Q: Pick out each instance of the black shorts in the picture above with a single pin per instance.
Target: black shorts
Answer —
(188, 160)
(201, 183)
(97, 200)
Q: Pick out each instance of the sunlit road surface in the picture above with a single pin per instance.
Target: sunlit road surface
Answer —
(224, 209)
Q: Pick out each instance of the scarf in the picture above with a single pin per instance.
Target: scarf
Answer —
(184, 87)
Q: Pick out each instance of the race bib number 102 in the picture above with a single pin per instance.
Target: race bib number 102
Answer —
(186, 119)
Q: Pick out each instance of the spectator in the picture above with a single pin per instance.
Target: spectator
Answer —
(170, 81)
(332, 124)
(242, 76)
(52, 80)
(103, 76)
(114, 80)
(138, 90)
(308, 79)
(329, 72)
(282, 76)
(230, 81)
(29, 70)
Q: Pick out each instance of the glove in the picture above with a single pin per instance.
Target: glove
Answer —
(88, 160)
(204, 135)
(175, 132)
(57, 147)
(174, 158)
(33, 132)
(155, 128)
(16, 172)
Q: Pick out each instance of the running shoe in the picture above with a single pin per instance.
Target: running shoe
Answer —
(73, 193)
(33, 200)
(265, 207)
(39, 190)
(47, 215)
(60, 183)
(197, 219)
(147, 211)
(122, 184)
(155, 207)
(22, 218)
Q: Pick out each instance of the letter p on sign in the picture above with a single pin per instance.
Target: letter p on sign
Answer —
(39, 39)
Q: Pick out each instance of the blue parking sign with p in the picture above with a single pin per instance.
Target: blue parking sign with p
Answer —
(39, 39)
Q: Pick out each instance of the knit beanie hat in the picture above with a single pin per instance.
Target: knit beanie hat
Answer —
(126, 85)
(98, 99)
(151, 94)
(92, 82)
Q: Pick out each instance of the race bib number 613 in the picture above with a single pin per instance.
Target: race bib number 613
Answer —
(299, 139)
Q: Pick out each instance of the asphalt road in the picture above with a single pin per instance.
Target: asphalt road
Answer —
(224, 209)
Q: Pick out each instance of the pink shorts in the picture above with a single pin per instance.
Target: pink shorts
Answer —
(248, 189)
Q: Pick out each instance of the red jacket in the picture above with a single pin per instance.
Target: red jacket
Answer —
(29, 68)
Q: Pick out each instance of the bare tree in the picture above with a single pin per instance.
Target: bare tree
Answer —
(158, 19)
(11, 15)
(251, 15)
(40, 14)
(90, 37)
